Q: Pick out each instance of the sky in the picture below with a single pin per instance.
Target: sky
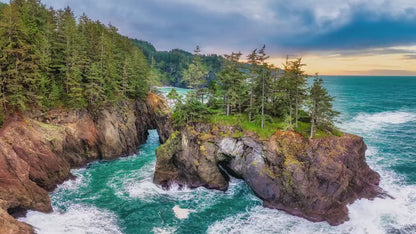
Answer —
(334, 37)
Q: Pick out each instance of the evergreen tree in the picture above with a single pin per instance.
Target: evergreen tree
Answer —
(320, 107)
(173, 95)
(252, 75)
(262, 57)
(189, 111)
(47, 59)
(94, 90)
(232, 83)
(293, 82)
(139, 75)
(17, 60)
(196, 74)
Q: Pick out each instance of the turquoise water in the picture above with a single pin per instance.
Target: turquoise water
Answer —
(166, 90)
(119, 196)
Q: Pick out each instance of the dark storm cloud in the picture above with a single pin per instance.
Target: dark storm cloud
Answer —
(362, 32)
(285, 26)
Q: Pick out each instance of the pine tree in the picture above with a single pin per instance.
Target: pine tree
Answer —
(195, 75)
(299, 77)
(17, 61)
(232, 83)
(252, 61)
(138, 82)
(173, 95)
(48, 59)
(293, 83)
(320, 107)
(262, 57)
(94, 91)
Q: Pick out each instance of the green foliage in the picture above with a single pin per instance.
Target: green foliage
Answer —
(232, 83)
(238, 134)
(320, 107)
(49, 58)
(170, 65)
(259, 97)
(190, 111)
(292, 86)
(173, 95)
(243, 122)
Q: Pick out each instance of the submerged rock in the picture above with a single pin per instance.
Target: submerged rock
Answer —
(314, 179)
(38, 150)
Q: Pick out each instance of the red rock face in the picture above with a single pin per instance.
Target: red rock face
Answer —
(314, 179)
(37, 151)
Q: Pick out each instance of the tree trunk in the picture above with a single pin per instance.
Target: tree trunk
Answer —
(312, 127)
(290, 108)
(228, 108)
(101, 58)
(251, 103)
(296, 105)
(262, 104)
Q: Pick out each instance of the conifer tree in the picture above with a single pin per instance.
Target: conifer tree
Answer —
(252, 61)
(294, 84)
(195, 75)
(320, 107)
(232, 82)
(94, 90)
(17, 61)
(262, 57)
(48, 59)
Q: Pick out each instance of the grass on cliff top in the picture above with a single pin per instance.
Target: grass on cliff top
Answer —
(242, 121)
(270, 127)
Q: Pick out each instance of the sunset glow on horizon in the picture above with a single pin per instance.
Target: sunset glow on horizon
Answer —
(357, 37)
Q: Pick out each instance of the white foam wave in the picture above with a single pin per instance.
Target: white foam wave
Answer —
(77, 219)
(366, 216)
(144, 189)
(73, 185)
(182, 213)
(198, 199)
(164, 230)
(364, 122)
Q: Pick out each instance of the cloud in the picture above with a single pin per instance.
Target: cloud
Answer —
(361, 32)
(295, 26)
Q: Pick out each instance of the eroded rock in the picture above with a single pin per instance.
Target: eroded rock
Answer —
(37, 150)
(314, 179)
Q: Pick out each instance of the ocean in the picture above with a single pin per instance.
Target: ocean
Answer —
(119, 196)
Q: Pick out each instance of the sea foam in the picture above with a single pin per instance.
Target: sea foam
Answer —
(366, 216)
(77, 219)
(370, 122)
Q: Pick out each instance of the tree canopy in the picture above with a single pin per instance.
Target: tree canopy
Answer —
(262, 97)
(50, 58)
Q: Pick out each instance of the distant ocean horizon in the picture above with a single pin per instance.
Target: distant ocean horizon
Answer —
(364, 76)
(119, 196)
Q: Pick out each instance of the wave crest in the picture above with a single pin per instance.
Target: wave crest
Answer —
(367, 122)
(76, 219)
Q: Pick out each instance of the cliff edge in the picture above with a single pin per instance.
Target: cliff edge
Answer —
(314, 179)
(37, 150)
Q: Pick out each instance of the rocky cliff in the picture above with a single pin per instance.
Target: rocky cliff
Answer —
(37, 150)
(314, 179)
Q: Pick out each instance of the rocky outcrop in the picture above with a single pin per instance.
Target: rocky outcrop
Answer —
(314, 179)
(37, 150)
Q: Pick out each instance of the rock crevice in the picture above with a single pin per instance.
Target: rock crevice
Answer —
(314, 179)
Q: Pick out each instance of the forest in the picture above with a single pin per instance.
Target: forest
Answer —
(167, 66)
(256, 95)
(52, 59)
